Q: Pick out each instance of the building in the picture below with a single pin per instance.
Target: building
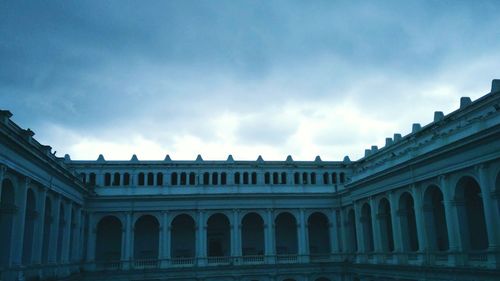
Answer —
(425, 206)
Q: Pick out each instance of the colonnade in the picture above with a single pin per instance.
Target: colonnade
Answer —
(37, 226)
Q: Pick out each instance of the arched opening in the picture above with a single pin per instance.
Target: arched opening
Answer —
(267, 178)
(326, 178)
(223, 178)
(313, 178)
(8, 207)
(435, 219)
(60, 230)
(276, 178)
(206, 178)
(385, 223)
(141, 179)
(334, 178)
(83, 176)
(304, 178)
(366, 223)
(126, 179)
(218, 236)
(116, 179)
(352, 237)
(215, 178)
(92, 179)
(159, 179)
(296, 178)
(283, 178)
(254, 178)
(286, 234)
(237, 178)
(192, 178)
(252, 235)
(342, 177)
(183, 178)
(29, 227)
(151, 179)
(107, 179)
(408, 222)
(146, 238)
(47, 225)
(471, 214)
(319, 234)
(108, 239)
(183, 237)
(245, 178)
(174, 178)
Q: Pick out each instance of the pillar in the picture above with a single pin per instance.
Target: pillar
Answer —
(396, 226)
(76, 235)
(40, 224)
(302, 228)
(334, 245)
(451, 219)
(491, 214)
(17, 237)
(54, 230)
(91, 242)
(419, 218)
(236, 233)
(165, 230)
(201, 237)
(270, 249)
(377, 242)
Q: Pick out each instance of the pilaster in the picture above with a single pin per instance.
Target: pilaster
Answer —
(17, 237)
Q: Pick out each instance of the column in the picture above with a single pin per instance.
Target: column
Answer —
(165, 240)
(418, 206)
(17, 237)
(303, 245)
(396, 226)
(334, 245)
(54, 230)
(91, 241)
(66, 238)
(201, 237)
(377, 243)
(236, 242)
(76, 236)
(40, 223)
(451, 220)
(270, 249)
(343, 232)
(491, 215)
(360, 233)
(127, 242)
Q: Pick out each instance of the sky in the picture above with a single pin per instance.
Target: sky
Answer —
(247, 78)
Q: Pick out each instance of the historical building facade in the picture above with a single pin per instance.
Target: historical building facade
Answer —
(426, 206)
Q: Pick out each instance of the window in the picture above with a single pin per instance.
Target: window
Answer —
(215, 178)
(276, 178)
(107, 179)
(151, 178)
(192, 178)
(159, 179)
(267, 178)
(174, 179)
(206, 178)
(116, 179)
(183, 178)
(254, 178)
(245, 178)
(141, 179)
(283, 178)
(223, 178)
(237, 178)
(126, 179)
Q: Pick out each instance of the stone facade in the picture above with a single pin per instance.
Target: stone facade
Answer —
(423, 207)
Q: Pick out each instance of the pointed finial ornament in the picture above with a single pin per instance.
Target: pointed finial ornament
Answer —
(289, 158)
(134, 158)
(198, 158)
(317, 159)
(100, 158)
(347, 159)
(67, 158)
(259, 159)
(230, 158)
(167, 158)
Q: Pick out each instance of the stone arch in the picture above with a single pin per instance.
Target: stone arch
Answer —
(47, 225)
(318, 227)
(183, 233)
(435, 219)
(352, 237)
(367, 226)
(408, 222)
(8, 207)
(116, 179)
(252, 235)
(146, 238)
(108, 239)
(470, 209)
(192, 178)
(286, 234)
(29, 226)
(218, 236)
(385, 224)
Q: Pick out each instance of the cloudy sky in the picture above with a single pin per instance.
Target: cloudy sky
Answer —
(246, 78)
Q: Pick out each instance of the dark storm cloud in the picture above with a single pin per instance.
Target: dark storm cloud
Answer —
(170, 68)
